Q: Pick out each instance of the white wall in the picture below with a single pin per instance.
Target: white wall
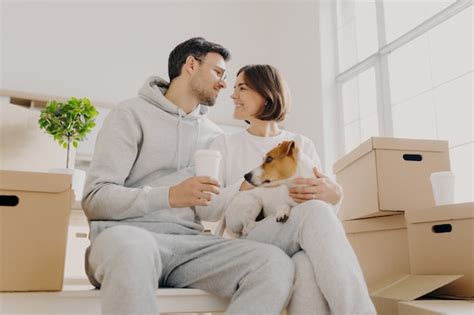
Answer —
(105, 49)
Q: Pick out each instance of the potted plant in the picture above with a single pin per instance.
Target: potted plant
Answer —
(69, 123)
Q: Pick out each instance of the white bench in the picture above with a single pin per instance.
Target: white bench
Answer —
(79, 297)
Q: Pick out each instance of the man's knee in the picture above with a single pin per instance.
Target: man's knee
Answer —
(125, 248)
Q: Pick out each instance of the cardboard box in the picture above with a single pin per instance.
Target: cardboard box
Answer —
(34, 215)
(384, 176)
(381, 246)
(388, 293)
(441, 241)
(436, 307)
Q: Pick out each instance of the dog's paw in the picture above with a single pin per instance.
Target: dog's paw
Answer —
(283, 214)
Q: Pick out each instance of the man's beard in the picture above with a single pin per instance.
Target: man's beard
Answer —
(204, 96)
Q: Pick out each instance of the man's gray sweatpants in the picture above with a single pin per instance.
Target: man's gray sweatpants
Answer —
(328, 276)
(130, 262)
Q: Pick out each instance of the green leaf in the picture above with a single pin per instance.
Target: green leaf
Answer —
(73, 119)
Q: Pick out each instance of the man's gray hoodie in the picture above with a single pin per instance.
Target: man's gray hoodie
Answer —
(145, 146)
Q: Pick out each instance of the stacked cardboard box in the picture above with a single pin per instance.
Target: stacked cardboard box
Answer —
(441, 241)
(406, 246)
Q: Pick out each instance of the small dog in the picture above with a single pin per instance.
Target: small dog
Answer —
(272, 180)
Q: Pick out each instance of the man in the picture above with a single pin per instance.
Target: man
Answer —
(140, 196)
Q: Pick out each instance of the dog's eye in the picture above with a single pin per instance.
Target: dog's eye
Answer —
(268, 159)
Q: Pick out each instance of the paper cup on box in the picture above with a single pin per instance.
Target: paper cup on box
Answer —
(207, 163)
(443, 187)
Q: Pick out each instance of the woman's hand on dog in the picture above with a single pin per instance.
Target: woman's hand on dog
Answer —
(194, 191)
(319, 188)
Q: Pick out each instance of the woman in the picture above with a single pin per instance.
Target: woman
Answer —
(328, 276)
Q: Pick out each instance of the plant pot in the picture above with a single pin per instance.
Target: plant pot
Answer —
(78, 179)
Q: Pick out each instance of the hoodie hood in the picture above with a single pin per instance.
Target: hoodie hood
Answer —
(153, 91)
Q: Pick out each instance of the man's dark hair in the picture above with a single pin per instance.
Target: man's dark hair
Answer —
(197, 47)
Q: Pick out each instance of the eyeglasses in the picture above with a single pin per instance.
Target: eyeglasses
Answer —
(221, 73)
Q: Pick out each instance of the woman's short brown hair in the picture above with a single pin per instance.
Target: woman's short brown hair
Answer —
(267, 81)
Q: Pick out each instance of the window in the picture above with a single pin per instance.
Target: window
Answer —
(406, 70)
(402, 16)
(360, 108)
(357, 31)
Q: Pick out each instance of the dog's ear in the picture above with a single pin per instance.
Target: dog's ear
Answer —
(288, 147)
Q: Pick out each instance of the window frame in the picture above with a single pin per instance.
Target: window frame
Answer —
(379, 61)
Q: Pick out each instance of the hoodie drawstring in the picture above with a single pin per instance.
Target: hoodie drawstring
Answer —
(195, 142)
(178, 166)
(153, 92)
(198, 131)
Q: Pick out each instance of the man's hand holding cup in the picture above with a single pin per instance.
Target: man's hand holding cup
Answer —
(198, 190)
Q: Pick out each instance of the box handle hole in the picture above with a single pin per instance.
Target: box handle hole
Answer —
(412, 157)
(8, 201)
(81, 235)
(442, 228)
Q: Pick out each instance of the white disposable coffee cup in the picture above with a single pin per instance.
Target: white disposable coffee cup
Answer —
(207, 163)
(443, 187)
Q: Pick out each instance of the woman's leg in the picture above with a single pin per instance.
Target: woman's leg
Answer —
(307, 298)
(314, 227)
(335, 264)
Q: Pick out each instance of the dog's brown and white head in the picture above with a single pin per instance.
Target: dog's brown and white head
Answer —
(279, 165)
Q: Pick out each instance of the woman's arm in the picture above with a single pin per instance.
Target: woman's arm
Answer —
(322, 187)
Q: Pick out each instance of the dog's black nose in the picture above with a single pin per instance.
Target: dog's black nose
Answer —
(248, 177)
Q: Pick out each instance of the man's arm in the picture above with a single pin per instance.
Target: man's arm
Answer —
(214, 209)
(116, 149)
(194, 191)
